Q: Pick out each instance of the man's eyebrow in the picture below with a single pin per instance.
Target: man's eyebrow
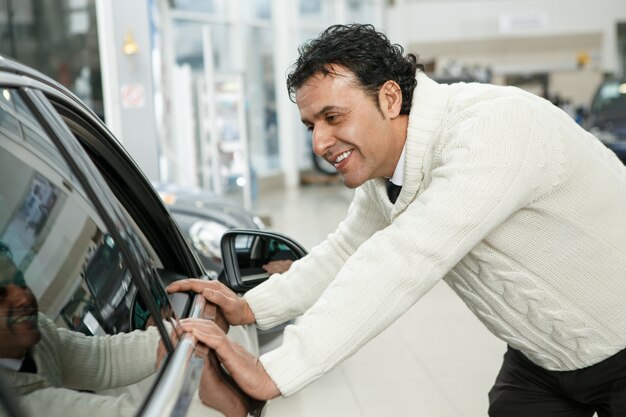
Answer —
(325, 109)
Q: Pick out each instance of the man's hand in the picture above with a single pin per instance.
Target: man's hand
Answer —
(234, 308)
(215, 393)
(162, 350)
(245, 368)
(277, 267)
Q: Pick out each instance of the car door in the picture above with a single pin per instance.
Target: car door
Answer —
(93, 245)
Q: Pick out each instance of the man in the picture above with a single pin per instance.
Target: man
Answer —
(55, 370)
(503, 196)
(48, 366)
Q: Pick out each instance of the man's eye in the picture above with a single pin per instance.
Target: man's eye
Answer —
(331, 118)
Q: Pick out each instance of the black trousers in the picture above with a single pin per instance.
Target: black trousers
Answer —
(523, 389)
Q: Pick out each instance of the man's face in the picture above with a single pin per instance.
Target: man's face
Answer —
(18, 314)
(349, 130)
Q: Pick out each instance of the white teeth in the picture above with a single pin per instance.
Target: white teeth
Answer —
(342, 156)
(23, 319)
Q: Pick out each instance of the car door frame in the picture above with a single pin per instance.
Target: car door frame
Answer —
(175, 379)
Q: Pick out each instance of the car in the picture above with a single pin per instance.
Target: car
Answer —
(607, 115)
(204, 217)
(88, 236)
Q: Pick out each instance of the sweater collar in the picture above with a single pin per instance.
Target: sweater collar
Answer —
(427, 110)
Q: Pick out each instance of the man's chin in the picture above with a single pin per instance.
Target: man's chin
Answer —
(351, 182)
(30, 338)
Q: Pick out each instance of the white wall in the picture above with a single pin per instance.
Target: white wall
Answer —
(128, 84)
(422, 21)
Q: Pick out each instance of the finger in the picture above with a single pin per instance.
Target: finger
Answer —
(193, 284)
(189, 326)
(216, 341)
(187, 323)
(219, 298)
(207, 326)
(189, 284)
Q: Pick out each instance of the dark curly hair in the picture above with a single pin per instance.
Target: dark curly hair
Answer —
(359, 48)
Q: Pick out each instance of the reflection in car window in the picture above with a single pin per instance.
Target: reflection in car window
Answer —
(55, 235)
(18, 124)
(59, 266)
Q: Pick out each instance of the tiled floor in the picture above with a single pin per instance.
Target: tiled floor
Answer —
(436, 361)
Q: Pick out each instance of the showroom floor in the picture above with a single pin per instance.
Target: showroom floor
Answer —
(436, 361)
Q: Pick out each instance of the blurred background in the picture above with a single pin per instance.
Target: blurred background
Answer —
(195, 91)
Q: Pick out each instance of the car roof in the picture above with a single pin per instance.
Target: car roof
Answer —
(10, 66)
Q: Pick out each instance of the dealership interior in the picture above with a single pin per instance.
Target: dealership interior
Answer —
(195, 92)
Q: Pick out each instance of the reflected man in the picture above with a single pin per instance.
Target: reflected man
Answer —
(46, 365)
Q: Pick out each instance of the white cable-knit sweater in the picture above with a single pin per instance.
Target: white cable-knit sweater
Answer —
(517, 208)
(68, 361)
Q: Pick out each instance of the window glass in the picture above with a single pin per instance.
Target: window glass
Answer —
(60, 39)
(359, 11)
(314, 10)
(256, 9)
(60, 268)
(213, 7)
(54, 234)
(611, 97)
(258, 89)
(260, 92)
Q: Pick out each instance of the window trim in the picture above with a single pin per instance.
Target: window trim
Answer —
(61, 136)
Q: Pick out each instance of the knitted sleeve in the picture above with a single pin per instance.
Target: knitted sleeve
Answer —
(288, 295)
(62, 402)
(487, 167)
(103, 362)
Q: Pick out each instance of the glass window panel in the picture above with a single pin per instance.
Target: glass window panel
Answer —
(58, 38)
(261, 100)
(256, 9)
(188, 41)
(60, 268)
(213, 7)
(359, 11)
(19, 125)
(314, 10)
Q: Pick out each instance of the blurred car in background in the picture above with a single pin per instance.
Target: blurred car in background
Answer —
(607, 115)
(204, 217)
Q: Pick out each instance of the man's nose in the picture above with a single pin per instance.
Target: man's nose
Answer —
(322, 140)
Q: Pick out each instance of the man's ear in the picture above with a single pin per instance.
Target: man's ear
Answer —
(390, 98)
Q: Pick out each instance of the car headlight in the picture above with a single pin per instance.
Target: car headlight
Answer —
(206, 237)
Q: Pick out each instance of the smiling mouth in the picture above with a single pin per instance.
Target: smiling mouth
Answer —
(341, 157)
(24, 319)
(28, 319)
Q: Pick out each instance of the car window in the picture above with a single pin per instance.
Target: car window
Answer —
(60, 267)
(56, 238)
(611, 97)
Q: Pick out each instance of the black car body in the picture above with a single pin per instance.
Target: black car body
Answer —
(204, 217)
(91, 237)
(607, 115)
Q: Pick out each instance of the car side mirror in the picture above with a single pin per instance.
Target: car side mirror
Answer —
(250, 256)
